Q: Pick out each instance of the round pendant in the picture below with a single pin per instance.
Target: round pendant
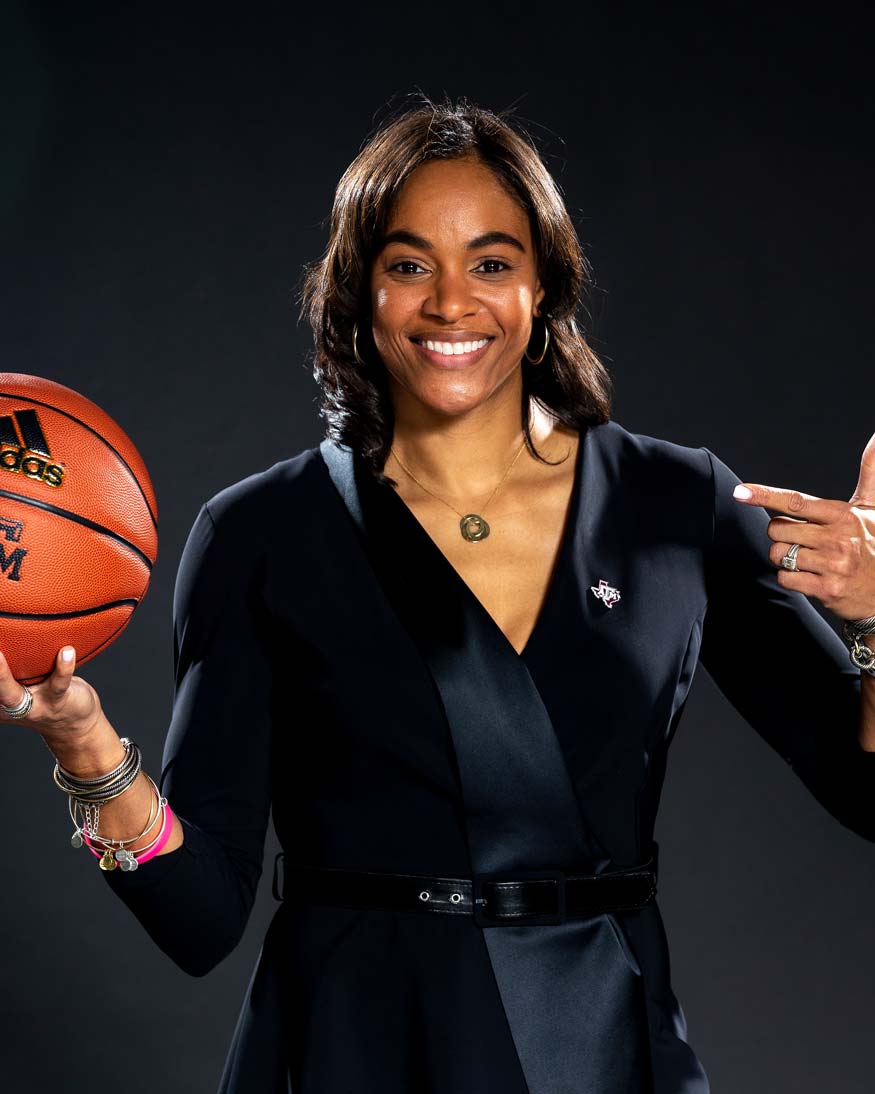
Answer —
(107, 861)
(473, 527)
(76, 839)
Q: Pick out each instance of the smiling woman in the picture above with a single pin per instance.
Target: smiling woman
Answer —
(460, 724)
(428, 290)
(448, 215)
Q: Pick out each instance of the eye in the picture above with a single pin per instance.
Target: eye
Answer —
(493, 262)
(407, 263)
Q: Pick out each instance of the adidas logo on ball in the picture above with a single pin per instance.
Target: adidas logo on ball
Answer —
(24, 449)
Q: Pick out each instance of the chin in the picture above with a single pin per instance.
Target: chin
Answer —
(457, 392)
(451, 402)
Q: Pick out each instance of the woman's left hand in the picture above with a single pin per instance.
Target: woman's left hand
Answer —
(837, 558)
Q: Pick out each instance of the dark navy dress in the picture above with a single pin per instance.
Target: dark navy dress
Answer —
(333, 666)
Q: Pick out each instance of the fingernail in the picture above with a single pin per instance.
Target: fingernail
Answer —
(68, 653)
(742, 492)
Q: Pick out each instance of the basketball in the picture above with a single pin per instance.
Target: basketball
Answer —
(78, 526)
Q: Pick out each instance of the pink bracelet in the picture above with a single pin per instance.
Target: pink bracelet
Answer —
(162, 839)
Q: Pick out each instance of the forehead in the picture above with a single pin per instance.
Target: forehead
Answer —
(460, 195)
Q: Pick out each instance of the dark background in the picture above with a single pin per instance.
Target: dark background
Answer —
(165, 177)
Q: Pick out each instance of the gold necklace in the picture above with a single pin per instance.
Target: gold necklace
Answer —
(472, 525)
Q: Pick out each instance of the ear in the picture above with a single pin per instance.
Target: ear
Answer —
(540, 293)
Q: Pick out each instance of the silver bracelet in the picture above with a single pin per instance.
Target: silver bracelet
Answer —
(127, 860)
(115, 852)
(861, 655)
(106, 787)
(90, 820)
(126, 742)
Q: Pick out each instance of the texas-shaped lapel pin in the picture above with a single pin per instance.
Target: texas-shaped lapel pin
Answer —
(606, 593)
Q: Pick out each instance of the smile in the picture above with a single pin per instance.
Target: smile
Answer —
(453, 349)
(452, 355)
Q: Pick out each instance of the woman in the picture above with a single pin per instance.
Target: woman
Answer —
(450, 651)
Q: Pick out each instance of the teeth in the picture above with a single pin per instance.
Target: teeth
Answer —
(453, 349)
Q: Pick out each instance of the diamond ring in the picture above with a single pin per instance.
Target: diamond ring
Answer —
(788, 562)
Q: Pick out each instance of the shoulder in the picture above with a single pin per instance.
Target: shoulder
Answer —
(245, 516)
(682, 488)
(233, 528)
(640, 454)
(266, 494)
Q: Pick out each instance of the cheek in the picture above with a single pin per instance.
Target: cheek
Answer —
(389, 314)
(514, 310)
(390, 307)
(513, 302)
(525, 300)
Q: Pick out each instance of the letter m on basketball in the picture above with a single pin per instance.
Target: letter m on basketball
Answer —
(11, 564)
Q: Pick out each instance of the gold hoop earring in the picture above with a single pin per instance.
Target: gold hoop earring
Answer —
(543, 351)
(355, 349)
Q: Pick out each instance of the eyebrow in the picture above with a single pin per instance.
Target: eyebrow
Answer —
(488, 239)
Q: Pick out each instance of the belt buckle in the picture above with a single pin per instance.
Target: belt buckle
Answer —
(484, 916)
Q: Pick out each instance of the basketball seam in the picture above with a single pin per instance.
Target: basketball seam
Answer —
(71, 615)
(88, 656)
(91, 429)
(106, 642)
(66, 514)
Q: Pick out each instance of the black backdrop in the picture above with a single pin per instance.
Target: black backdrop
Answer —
(166, 176)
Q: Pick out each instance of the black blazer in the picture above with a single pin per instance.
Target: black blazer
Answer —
(332, 665)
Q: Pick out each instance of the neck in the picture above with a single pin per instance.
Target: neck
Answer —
(464, 455)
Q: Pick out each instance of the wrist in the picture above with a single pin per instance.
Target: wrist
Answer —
(90, 753)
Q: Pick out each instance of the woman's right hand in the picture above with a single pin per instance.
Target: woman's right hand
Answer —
(67, 714)
(66, 709)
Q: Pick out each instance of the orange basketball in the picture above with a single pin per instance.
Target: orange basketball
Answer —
(78, 526)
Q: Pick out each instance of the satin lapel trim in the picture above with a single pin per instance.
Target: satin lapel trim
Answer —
(564, 558)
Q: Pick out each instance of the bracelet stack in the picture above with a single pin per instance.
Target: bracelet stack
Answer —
(861, 655)
(85, 797)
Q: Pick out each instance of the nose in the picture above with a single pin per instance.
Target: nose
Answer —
(450, 297)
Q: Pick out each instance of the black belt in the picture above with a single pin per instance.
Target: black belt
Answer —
(533, 897)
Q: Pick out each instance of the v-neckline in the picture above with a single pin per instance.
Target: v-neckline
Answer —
(569, 529)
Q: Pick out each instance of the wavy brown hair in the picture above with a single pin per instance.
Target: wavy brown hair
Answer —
(571, 382)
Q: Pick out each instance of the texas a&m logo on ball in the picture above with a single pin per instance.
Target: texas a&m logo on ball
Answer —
(25, 450)
(11, 559)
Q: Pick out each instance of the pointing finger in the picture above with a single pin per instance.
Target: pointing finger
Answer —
(808, 506)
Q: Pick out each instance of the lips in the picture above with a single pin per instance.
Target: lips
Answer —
(454, 347)
(453, 354)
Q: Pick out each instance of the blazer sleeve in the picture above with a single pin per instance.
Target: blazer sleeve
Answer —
(195, 901)
(780, 664)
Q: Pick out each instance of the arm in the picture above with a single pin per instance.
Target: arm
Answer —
(196, 900)
(782, 666)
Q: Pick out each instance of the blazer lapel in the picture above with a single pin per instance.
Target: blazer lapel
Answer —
(573, 1001)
